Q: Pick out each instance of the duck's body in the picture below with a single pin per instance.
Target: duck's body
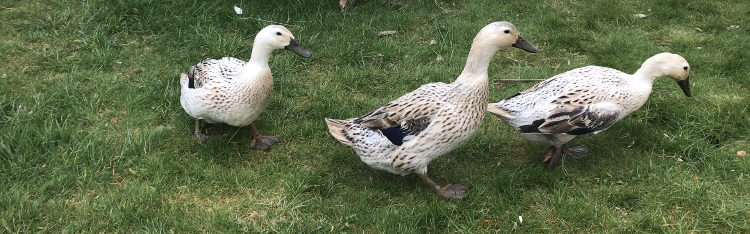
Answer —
(226, 90)
(403, 136)
(581, 101)
(233, 91)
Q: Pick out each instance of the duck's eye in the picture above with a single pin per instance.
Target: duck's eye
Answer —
(685, 68)
(278, 33)
(506, 31)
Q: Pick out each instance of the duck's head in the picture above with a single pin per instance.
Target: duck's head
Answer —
(278, 37)
(672, 65)
(503, 34)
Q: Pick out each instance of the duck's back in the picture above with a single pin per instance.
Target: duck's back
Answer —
(216, 71)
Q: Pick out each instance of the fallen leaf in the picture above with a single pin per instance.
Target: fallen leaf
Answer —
(439, 59)
(237, 10)
(131, 171)
(622, 211)
(345, 4)
(639, 16)
(734, 26)
(433, 42)
(387, 33)
(742, 153)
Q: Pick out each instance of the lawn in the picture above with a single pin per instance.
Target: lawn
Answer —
(93, 137)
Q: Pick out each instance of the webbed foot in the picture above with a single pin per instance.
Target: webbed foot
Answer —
(263, 142)
(579, 151)
(453, 191)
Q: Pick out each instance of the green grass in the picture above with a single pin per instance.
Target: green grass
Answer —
(93, 137)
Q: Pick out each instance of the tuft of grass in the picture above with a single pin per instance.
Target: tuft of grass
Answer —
(94, 138)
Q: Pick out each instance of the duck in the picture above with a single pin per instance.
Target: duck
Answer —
(233, 91)
(585, 100)
(404, 135)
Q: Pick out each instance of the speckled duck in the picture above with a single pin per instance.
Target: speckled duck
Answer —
(403, 136)
(584, 100)
(233, 91)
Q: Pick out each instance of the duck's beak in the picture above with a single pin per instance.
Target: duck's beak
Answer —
(298, 49)
(524, 45)
(685, 86)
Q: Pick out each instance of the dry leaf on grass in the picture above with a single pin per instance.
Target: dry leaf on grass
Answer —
(742, 153)
(387, 33)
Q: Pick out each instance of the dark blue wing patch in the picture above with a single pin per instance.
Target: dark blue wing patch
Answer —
(394, 134)
(581, 131)
(531, 128)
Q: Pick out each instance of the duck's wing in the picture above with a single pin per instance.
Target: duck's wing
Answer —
(407, 116)
(577, 120)
(214, 70)
(580, 108)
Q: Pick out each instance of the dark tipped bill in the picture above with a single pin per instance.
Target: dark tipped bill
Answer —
(524, 45)
(298, 49)
(685, 86)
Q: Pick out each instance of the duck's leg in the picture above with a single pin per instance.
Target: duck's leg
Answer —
(554, 159)
(201, 134)
(548, 155)
(198, 133)
(261, 142)
(452, 191)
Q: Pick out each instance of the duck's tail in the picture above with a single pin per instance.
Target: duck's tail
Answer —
(183, 80)
(338, 129)
(187, 81)
(500, 112)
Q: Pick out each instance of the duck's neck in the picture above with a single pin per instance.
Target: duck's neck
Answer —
(260, 54)
(479, 58)
(649, 71)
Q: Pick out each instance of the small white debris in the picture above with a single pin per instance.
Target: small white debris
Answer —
(433, 42)
(699, 29)
(734, 26)
(439, 59)
(387, 33)
(699, 48)
(520, 219)
(237, 10)
(639, 16)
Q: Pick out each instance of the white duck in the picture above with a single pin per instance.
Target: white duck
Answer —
(584, 100)
(233, 91)
(403, 136)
